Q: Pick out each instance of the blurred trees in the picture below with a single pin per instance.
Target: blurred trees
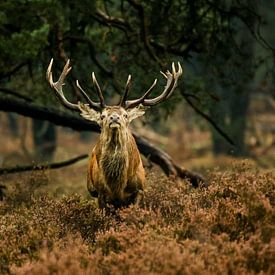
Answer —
(214, 39)
(234, 82)
(44, 139)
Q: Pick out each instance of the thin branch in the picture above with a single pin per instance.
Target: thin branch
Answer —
(14, 70)
(38, 167)
(257, 35)
(175, 51)
(144, 30)
(80, 39)
(237, 12)
(190, 95)
(209, 119)
(11, 92)
(114, 21)
(106, 72)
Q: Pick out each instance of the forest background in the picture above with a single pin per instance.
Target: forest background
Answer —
(222, 112)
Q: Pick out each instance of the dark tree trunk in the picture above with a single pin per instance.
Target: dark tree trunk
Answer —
(44, 140)
(233, 110)
(232, 116)
(239, 108)
(13, 124)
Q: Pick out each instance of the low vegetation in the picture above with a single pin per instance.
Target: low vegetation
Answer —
(223, 229)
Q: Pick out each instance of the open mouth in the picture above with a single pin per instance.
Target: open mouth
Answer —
(114, 125)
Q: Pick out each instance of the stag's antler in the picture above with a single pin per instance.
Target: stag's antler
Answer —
(172, 79)
(171, 84)
(126, 92)
(99, 92)
(57, 86)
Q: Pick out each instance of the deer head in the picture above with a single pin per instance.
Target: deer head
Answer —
(118, 116)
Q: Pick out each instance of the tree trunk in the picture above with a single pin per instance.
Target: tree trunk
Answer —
(44, 140)
(231, 115)
(232, 111)
(13, 124)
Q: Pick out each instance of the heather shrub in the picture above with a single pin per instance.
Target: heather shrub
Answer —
(227, 228)
(44, 221)
(153, 254)
(72, 258)
(25, 187)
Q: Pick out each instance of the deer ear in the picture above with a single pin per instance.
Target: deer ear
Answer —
(136, 112)
(89, 113)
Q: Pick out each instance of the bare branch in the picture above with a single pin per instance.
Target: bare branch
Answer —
(11, 92)
(209, 119)
(41, 166)
(144, 31)
(117, 22)
(14, 70)
(106, 72)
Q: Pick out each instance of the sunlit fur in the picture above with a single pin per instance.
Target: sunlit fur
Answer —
(115, 169)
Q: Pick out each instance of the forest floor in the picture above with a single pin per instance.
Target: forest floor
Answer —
(50, 225)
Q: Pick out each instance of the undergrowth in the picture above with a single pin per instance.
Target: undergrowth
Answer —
(227, 228)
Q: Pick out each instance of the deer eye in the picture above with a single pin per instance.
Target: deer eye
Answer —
(125, 115)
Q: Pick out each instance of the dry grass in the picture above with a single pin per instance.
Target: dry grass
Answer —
(227, 228)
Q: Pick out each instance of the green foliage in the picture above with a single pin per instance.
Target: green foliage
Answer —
(214, 39)
(34, 31)
(226, 228)
(29, 42)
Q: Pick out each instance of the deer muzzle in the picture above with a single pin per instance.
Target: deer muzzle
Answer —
(114, 121)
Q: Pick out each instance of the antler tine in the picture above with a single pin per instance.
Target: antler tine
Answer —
(99, 92)
(49, 74)
(177, 74)
(91, 102)
(126, 91)
(57, 86)
(171, 84)
(135, 102)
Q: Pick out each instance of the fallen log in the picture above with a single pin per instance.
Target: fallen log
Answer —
(66, 119)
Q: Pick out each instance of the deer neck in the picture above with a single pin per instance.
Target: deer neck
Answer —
(114, 159)
(114, 139)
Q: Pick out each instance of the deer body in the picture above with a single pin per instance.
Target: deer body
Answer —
(115, 171)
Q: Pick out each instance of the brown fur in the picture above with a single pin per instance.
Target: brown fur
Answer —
(115, 168)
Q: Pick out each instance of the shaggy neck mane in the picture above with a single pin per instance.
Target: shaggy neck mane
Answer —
(114, 139)
(115, 158)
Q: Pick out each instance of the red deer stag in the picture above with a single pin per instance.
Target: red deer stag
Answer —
(115, 171)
